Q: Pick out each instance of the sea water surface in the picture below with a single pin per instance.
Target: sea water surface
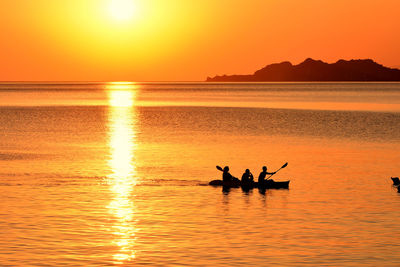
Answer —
(102, 174)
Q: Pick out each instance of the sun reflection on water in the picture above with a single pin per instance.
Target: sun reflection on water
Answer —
(123, 176)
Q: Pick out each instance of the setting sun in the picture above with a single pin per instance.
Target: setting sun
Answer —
(199, 133)
(122, 10)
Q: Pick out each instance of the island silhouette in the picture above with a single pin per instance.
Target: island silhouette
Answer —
(317, 70)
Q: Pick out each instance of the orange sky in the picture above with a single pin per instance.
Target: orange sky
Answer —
(167, 40)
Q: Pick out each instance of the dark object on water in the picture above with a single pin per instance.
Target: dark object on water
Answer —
(398, 189)
(247, 177)
(268, 184)
(396, 180)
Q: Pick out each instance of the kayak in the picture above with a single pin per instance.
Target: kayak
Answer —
(269, 184)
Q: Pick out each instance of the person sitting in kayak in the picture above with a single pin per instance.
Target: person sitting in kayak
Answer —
(226, 176)
(247, 177)
(261, 177)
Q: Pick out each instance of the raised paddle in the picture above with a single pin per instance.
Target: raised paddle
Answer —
(284, 166)
(219, 168)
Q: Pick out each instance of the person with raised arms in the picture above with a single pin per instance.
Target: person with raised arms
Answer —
(261, 177)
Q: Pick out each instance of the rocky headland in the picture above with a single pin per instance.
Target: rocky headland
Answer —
(317, 70)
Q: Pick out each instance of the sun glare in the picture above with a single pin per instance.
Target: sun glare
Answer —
(122, 10)
(123, 175)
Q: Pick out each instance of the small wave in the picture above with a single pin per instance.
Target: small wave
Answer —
(19, 156)
(11, 184)
(169, 182)
(48, 180)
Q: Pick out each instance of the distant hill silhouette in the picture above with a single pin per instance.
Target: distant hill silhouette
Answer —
(317, 70)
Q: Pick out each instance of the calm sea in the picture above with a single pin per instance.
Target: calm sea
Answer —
(100, 174)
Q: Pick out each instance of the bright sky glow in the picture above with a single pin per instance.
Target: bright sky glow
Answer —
(187, 40)
(122, 10)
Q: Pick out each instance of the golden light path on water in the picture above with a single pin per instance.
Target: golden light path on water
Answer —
(123, 176)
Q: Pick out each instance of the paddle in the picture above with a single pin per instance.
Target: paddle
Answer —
(284, 166)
